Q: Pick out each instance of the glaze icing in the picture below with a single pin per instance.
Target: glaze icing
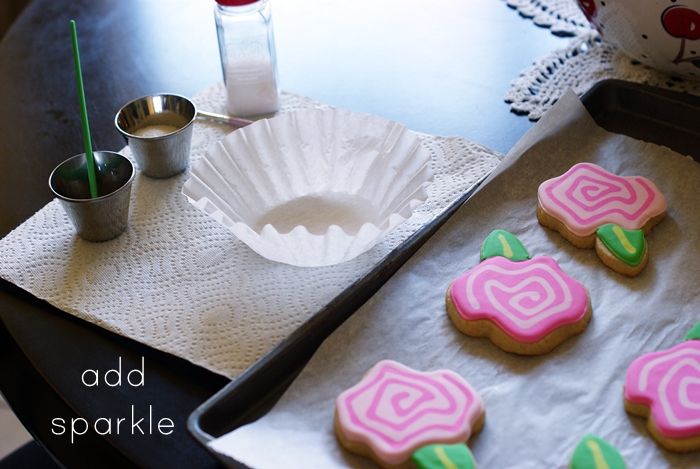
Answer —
(593, 452)
(668, 382)
(440, 456)
(587, 196)
(527, 299)
(628, 246)
(395, 410)
(503, 243)
(693, 333)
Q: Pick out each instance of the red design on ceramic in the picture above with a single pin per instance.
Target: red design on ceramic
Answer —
(663, 34)
(589, 9)
(684, 23)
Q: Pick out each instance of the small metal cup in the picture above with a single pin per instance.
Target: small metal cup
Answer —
(106, 216)
(164, 155)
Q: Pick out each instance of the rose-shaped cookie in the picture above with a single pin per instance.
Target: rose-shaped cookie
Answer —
(395, 410)
(526, 307)
(588, 197)
(665, 387)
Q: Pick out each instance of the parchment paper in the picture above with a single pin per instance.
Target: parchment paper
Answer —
(537, 408)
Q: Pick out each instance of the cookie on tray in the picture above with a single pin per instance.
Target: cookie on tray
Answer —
(593, 452)
(664, 387)
(587, 197)
(394, 411)
(524, 306)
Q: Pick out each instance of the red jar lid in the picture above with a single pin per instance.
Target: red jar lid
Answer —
(235, 3)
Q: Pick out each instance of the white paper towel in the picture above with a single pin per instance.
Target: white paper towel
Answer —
(537, 408)
(181, 283)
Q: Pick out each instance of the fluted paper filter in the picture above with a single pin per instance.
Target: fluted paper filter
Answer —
(312, 188)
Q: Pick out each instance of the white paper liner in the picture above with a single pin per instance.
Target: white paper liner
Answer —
(313, 187)
(537, 408)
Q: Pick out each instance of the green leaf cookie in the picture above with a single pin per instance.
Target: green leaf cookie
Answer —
(628, 246)
(595, 453)
(444, 457)
(502, 243)
(693, 333)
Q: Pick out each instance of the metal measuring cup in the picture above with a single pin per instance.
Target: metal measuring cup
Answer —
(106, 216)
(158, 129)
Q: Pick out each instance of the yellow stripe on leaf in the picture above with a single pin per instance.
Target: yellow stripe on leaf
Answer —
(444, 458)
(623, 239)
(507, 250)
(598, 458)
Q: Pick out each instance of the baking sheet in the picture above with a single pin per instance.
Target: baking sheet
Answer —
(537, 408)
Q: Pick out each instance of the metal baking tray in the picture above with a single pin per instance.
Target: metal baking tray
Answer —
(651, 114)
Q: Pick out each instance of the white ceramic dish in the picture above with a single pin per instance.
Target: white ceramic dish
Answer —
(663, 34)
(312, 188)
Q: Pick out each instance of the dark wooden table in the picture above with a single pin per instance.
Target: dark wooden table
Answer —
(439, 67)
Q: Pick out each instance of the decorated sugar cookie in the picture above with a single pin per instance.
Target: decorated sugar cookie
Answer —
(526, 306)
(579, 203)
(440, 456)
(587, 197)
(395, 410)
(665, 387)
(593, 452)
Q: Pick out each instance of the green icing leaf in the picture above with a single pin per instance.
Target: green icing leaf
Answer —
(502, 243)
(444, 457)
(693, 333)
(628, 246)
(595, 453)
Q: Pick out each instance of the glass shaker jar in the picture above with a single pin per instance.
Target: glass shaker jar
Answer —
(247, 49)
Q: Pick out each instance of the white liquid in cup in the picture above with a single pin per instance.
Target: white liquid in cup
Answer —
(155, 130)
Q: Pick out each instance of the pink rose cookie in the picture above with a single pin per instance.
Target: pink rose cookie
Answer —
(590, 206)
(395, 410)
(587, 197)
(665, 387)
(524, 306)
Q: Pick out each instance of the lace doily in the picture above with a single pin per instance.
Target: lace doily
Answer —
(179, 282)
(562, 17)
(584, 62)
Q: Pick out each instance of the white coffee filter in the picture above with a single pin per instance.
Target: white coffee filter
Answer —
(312, 188)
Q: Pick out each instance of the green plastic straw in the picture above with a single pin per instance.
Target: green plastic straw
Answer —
(87, 141)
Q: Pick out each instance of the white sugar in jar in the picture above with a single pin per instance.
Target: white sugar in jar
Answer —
(247, 49)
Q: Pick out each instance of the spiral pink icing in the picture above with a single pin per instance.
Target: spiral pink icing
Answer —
(668, 382)
(526, 299)
(395, 410)
(587, 196)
